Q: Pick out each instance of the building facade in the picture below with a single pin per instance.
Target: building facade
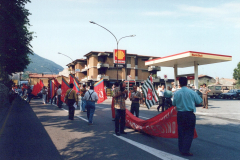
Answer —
(99, 65)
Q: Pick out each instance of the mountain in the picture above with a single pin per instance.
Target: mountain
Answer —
(40, 65)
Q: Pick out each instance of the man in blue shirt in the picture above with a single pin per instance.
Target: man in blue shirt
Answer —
(185, 101)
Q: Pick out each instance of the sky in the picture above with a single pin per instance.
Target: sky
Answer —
(161, 27)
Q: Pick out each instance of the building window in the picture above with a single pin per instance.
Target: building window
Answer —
(128, 71)
(128, 60)
(136, 72)
(136, 61)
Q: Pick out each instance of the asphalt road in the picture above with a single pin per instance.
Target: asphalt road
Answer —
(217, 128)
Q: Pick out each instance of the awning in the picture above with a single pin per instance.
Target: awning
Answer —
(187, 59)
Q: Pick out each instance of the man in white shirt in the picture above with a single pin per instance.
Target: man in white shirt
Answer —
(59, 92)
(91, 97)
(161, 91)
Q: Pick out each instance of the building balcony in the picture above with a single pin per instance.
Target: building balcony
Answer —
(154, 68)
(84, 79)
(102, 65)
(102, 76)
(84, 69)
(103, 54)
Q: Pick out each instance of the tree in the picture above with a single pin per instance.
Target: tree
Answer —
(14, 37)
(236, 74)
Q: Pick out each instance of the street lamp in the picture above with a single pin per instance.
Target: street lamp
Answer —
(48, 69)
(115, 39)
(65, 55)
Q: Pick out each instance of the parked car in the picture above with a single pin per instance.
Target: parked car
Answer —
(217, 90)
(233, 93)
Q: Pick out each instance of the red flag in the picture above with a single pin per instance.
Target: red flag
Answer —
(163, 125)
(72, 77)
(65, 86)
(76, 86)
(41, 83)
(52, 89)
(36, 89)
(55, 81)
(99, 89)
(71, 80)
(149, 94)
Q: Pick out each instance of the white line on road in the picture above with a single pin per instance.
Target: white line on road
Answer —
(214, 113)
(76, 116)
(153, 151)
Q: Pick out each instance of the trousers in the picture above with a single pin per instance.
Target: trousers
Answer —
(186, 124)
(59, 101)
(135, 108)
(161, 103)
(90, 110)
(71, 109)
(205, 100)
(120, 116)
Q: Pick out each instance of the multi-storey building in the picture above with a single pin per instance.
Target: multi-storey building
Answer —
(98, 65)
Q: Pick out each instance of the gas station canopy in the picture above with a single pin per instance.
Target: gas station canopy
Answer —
(187, 59)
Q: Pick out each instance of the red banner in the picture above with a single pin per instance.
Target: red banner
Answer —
(99, 89)
(65, 86)
(163, 125)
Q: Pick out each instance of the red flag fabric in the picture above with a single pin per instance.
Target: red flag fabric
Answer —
(99, 89)
(72, 77)
(65, 86)
(52, 89)
(70, 80)
(41, 83)
(55, 81)
(33, 90)
(76, 86)
(163, 125)
(36, 89)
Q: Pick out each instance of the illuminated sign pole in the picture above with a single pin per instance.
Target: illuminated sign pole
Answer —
(116, 41)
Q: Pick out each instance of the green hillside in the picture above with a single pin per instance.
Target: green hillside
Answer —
(37, 62)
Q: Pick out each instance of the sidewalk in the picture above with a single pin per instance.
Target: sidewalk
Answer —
(22, 136)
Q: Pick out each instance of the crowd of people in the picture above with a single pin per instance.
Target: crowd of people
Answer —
(182, 97)
(23, 92)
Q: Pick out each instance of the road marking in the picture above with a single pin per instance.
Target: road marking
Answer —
(153, 151)
(214, 113)
(76, 116)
